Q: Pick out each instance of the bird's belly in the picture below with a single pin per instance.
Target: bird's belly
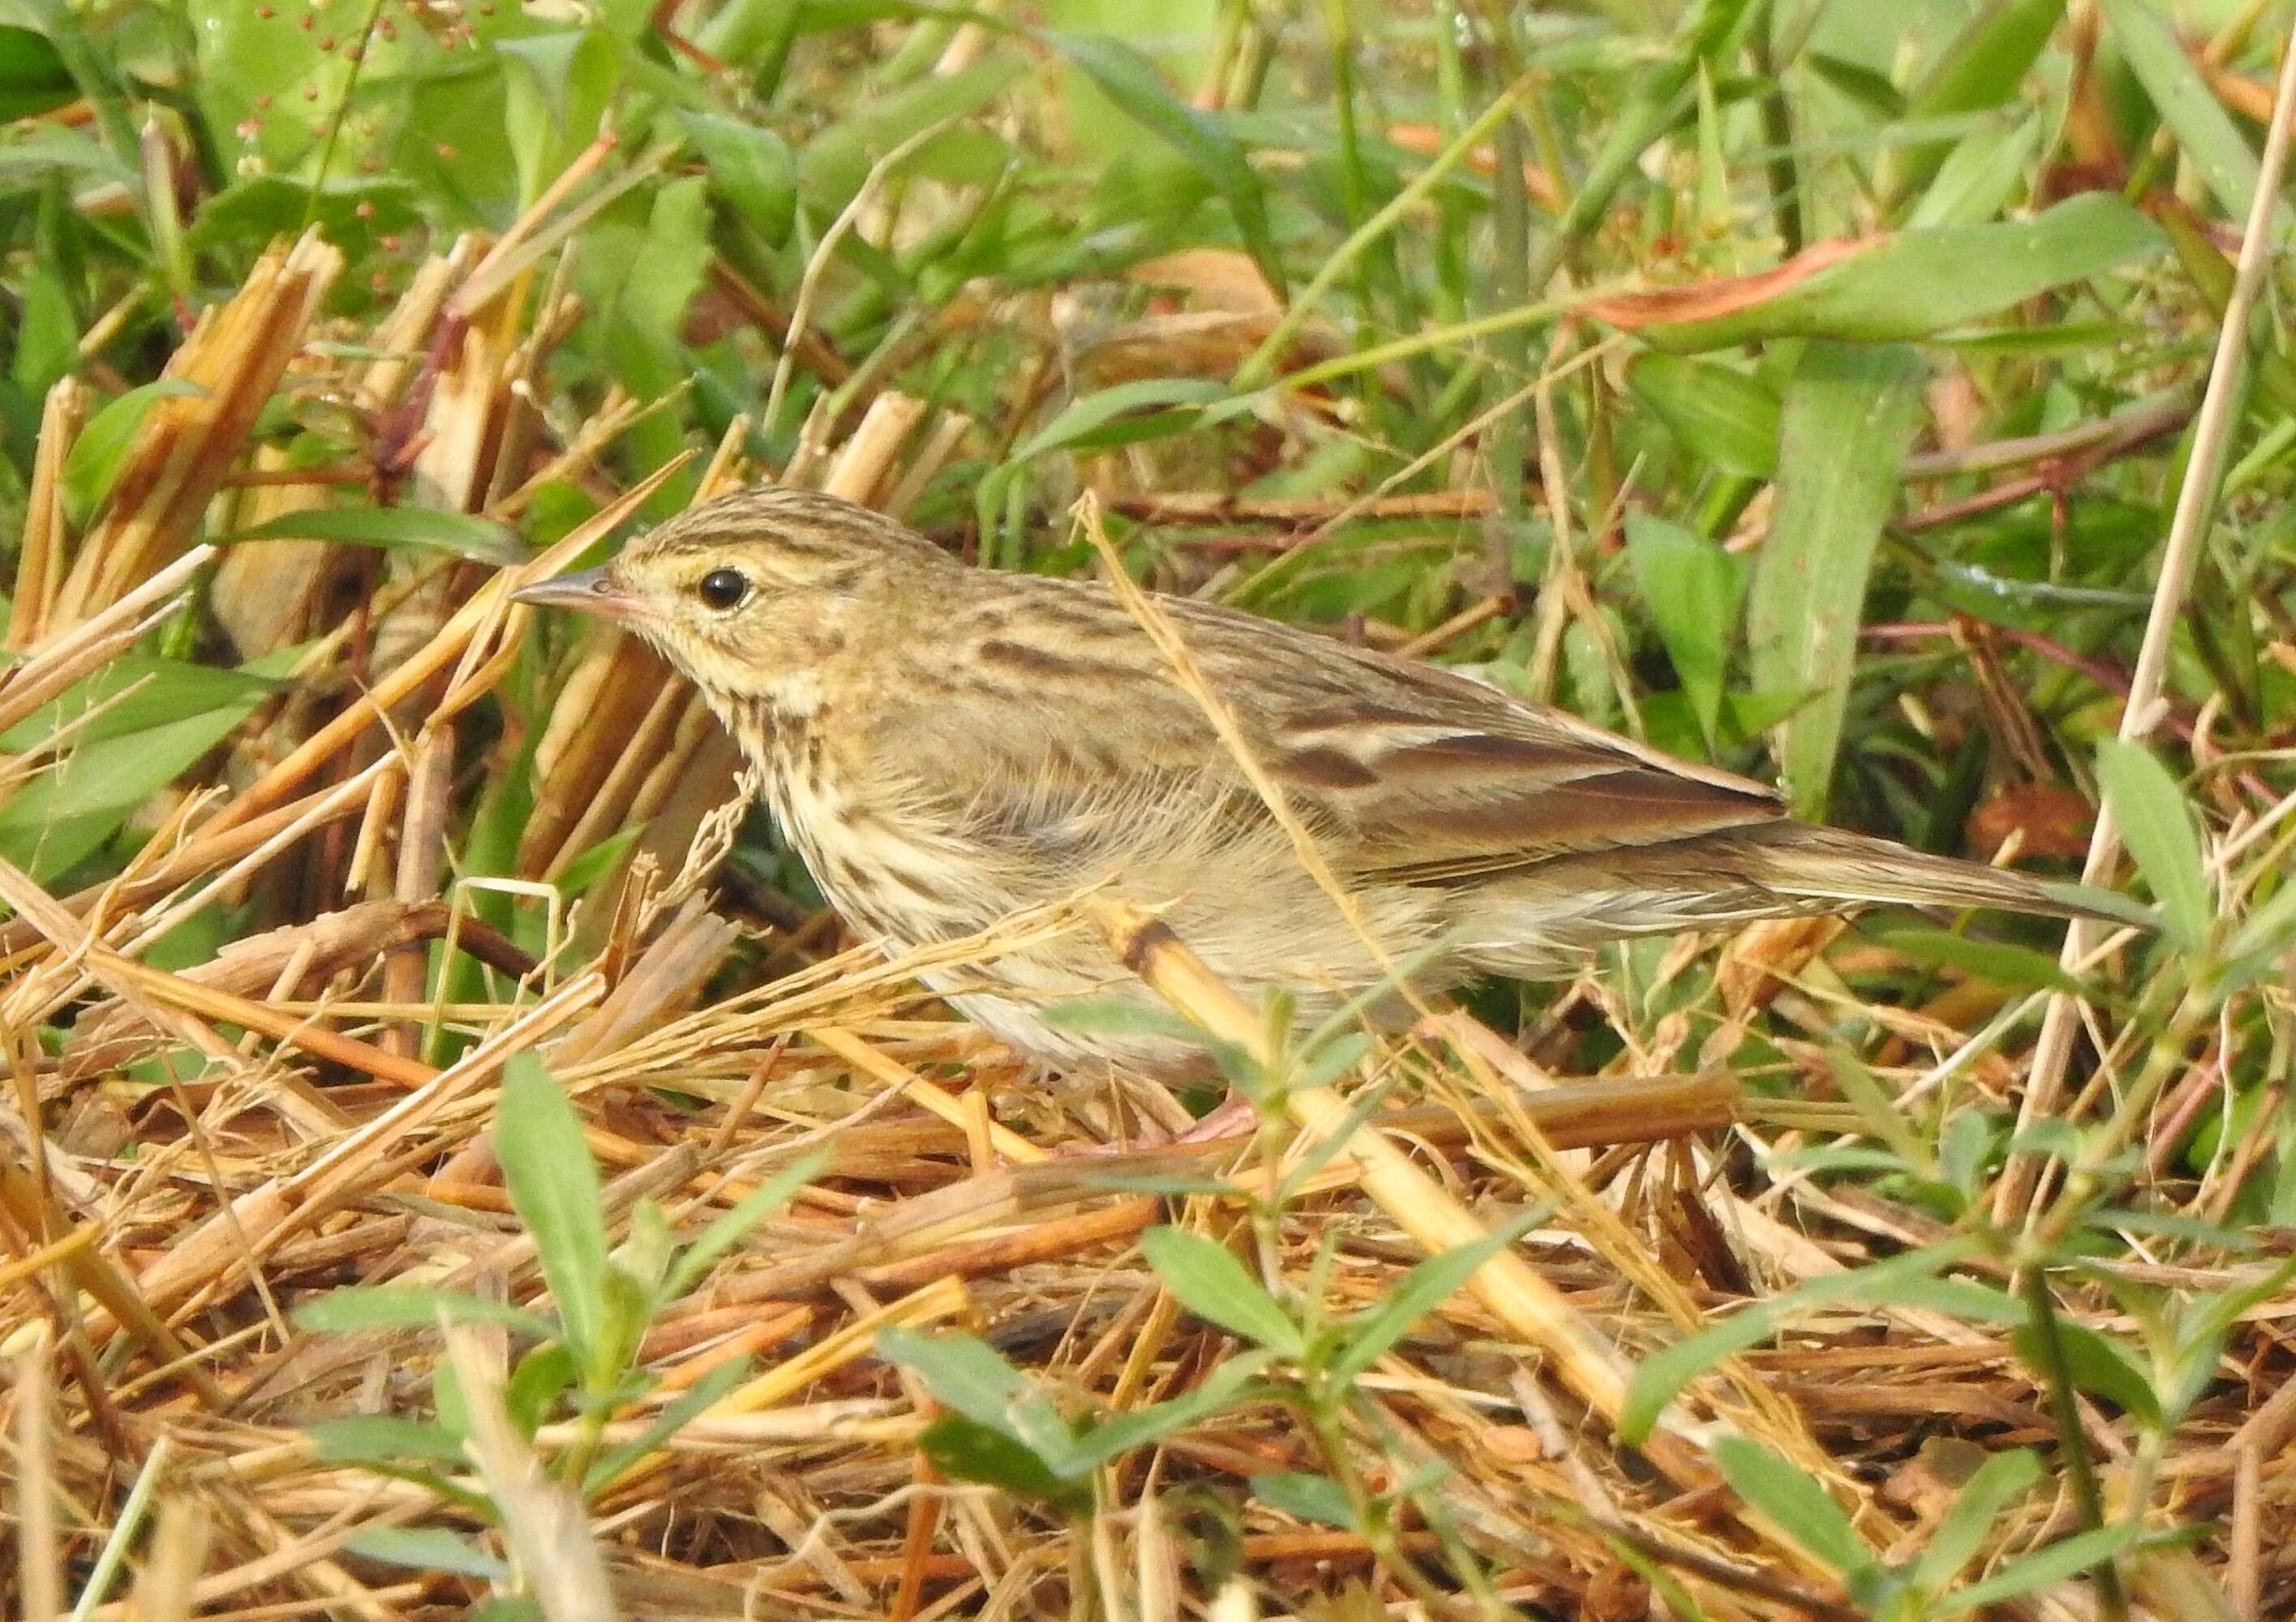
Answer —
(1244, 903)
(885, 876)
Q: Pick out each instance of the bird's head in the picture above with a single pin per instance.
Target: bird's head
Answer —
(749, 592)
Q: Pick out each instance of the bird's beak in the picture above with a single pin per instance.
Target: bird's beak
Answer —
(588, 591)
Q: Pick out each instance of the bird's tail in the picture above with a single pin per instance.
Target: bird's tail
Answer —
(1831, 864)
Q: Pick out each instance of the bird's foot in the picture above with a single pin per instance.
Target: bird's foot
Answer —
(1233, 1120)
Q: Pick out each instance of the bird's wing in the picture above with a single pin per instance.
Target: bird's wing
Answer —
(1430, 777)
(1402, 770)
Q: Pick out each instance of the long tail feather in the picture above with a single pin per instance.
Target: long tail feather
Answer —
(1831, 864)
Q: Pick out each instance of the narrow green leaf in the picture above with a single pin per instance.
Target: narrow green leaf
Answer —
(2054, 1564)
(751, 167)
(732, 1227)
(1969, 1525)
(963, 1371)
(1981, 176)
(1984, 67)
(2154, 823)
(968, 1374)
(1902, 285)
(1727, 416)
(1694, 588)
(1207, 1279)
(94, 461)
(2098, 1366)
(1850, 414)
(2020, 967)
(554, 1186)
(966, 1450)
(611, 1466)
(1427, 1286)
(137, 691)
(2203, 129)
(1229, 1385)
(1124, 413)
(1794, 1503)
(1663, 1374)
(364, 1439)
(1317, 1499)
(459, 534)
(69, 808)
(1132, 82)
(358, 1309)
(427, 1549)
(834, 163)
(1858, 83)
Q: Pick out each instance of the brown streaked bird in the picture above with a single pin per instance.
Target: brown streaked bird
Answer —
(945, 745)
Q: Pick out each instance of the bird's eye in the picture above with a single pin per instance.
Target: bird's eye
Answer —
(723, 588)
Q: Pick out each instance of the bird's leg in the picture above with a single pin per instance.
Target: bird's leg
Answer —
(1233, 1116)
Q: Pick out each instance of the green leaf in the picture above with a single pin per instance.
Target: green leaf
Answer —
(538, 1382)
(360, 1307)
(427, 1549)
(1317, 1499)
(1124, 413)
(644, 329)
(2203, 129)
(835, 164)
(1663, 1374)
(751, 167)
(1969, 1525)
(2155, 823)
(1850, 414)
(2018, 967)
(1207, 1279)
(459, 534)
(1858, 83)
(363, 1438)
(1335, 1056)
(138, 691)
(1727, 416)
(92, 463)
(352, 211)
(2098, 1367)
(1794, 1503)
(733, 1225)
(2054, 1564)
(1694, 588)
(507, 1608)
(1230, 1385)
(966, 1374)
(963, 1371)
(1977, 181)
(2264, 933)
(1906, 284)
(69, 808)
(1427, 1286)
(1703, 33)
(33, 78)
(612, 1465)
(554, 1187)
(966, 1450)
(1132, 82)
(1983, 67)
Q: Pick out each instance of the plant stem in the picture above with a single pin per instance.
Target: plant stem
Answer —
(2064, 1408)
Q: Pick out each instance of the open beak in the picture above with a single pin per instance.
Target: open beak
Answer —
(589, 591)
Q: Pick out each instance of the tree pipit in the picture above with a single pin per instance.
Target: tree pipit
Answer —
(944, 746)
